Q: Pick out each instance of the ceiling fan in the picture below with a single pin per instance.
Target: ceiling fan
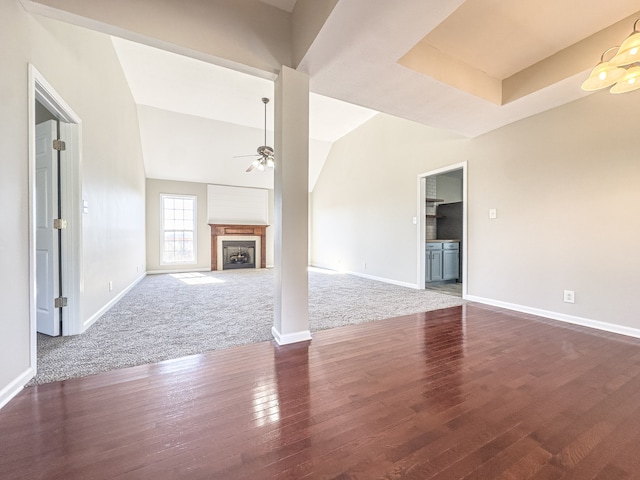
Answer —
(265, 153)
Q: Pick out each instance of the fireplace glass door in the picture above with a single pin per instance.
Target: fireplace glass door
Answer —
(238, 254)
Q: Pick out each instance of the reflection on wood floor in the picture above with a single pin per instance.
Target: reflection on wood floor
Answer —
(469, 392)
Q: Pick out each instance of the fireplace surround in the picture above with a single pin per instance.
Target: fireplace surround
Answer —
(220, 232)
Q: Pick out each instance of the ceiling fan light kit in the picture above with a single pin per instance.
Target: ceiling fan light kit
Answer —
(622, 71)
(265, 153)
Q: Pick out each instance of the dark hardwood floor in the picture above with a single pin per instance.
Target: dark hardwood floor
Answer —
(469, 392)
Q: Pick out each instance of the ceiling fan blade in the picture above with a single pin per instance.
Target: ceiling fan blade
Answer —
(243, 156)
(250, 168)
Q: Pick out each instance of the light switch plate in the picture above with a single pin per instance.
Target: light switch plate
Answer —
(493, 213)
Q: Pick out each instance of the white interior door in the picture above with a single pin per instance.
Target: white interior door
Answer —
(47, 288)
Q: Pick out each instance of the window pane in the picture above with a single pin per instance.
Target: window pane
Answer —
(178, 234)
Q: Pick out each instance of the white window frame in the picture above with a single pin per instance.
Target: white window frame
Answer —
(164, 196)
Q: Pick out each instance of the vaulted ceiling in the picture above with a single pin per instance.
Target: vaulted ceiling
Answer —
(207, 115)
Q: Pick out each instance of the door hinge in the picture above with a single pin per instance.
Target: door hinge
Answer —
(60, 302)
(59, 145)
(59, 223)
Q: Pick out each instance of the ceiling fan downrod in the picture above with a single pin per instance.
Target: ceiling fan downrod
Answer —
(265, 100)
(265, 152)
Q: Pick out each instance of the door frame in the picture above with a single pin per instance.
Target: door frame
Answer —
(71, 203)
(422, 224)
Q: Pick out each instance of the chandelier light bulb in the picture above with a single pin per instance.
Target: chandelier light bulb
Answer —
(629, 83)
(603, 75)
(629, 51)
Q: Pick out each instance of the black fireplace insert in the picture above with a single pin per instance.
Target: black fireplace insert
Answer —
(238, 254)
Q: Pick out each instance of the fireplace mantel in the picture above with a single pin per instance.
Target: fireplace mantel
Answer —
(224, 230)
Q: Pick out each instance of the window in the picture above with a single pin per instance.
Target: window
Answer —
(178, 229)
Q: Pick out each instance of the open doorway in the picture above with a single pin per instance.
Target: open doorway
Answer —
(50, 118)
(442, 230)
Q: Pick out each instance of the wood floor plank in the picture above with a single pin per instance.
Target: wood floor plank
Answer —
(468, 392)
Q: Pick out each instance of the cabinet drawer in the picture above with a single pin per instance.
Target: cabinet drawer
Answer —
(434, 246)
(451, 246)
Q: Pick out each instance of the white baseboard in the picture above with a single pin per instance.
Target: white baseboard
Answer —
(14, 388)
(370, 277)
(584, 322)
(385, 280)
(290, 337)
(91, 320)
(181, 270)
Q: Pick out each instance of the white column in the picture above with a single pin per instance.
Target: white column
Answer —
(291, 212)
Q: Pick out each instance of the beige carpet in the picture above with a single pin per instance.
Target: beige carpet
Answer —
(172, 316)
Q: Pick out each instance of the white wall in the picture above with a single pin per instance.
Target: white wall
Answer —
(237, 205)
(366, 196)
(565, 186)
(82, 67)
(14, 254)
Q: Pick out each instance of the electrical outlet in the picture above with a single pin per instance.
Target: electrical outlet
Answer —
(364, 265)
(569, 296)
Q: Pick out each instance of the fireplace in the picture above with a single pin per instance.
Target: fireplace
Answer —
(223, 232)
(238, 254)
